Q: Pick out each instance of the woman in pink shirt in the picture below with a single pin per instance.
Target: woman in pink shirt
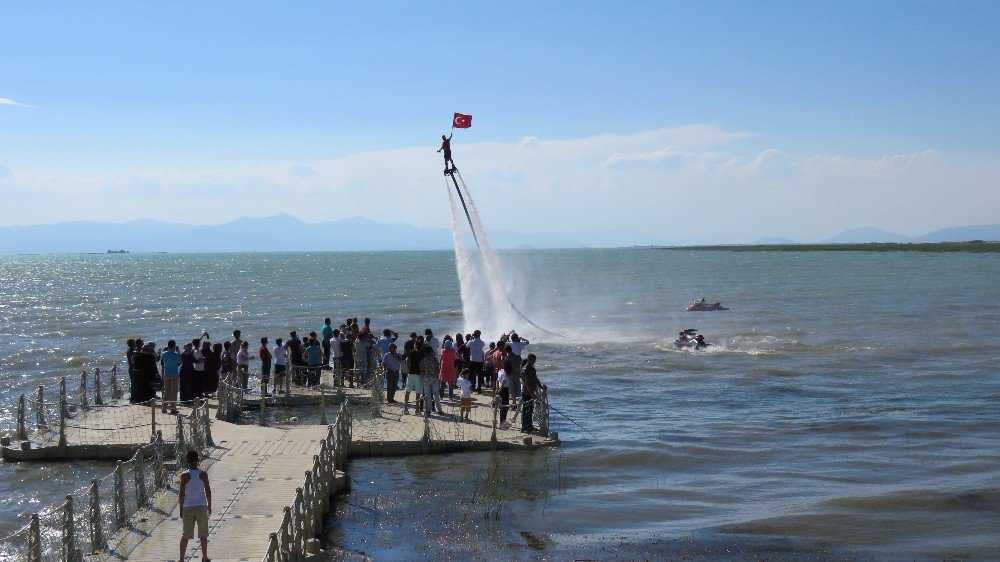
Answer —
(448, 374)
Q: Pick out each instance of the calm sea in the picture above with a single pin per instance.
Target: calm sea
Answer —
(849, 407)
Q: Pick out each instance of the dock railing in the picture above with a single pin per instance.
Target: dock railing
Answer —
(94, 522)
(302, 521)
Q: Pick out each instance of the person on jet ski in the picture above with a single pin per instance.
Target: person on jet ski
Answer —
(700, 339)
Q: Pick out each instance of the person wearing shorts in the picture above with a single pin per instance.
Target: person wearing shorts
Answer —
(195, 502)
(279, 364)
(171, 361)
(465, 398)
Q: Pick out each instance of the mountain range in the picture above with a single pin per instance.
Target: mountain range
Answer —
(284, 232)
(281, 232)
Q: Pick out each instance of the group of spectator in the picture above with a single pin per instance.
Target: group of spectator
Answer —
(425, 367)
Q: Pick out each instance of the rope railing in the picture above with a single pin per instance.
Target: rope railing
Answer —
(61, 422)
(99, 519)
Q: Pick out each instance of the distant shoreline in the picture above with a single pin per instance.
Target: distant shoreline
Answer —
(973, 246)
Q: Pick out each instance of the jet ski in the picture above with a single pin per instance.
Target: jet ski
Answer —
(690, 338)
(702, 306)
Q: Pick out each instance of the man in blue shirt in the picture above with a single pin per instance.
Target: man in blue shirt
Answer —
(171, 361)
(327, 336)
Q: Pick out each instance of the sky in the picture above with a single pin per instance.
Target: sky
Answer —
(727, 120)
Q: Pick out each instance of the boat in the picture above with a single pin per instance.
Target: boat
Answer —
(690, 339)
(702, 306)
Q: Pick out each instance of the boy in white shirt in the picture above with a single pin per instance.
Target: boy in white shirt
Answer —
(466, 397)
(503, 384)
(279, 355)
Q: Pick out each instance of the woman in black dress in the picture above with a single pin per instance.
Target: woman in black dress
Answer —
(210, 382)
(145, 373)
(189, 383)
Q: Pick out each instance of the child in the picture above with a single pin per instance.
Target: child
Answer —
(195, 502)
(466, 397)
(503, 383)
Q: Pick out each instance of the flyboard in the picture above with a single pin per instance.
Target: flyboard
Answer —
(459, 184)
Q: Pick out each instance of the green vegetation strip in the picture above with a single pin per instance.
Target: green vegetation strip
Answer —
(975, 246)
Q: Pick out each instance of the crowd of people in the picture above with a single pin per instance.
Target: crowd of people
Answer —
(423, 367)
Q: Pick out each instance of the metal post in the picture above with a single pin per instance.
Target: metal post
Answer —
(138, 482)
(195, 428)
(262, 419)
(34, 540)
(543, 423)
(68, 534)
(116, 389)
(426, 440)
(376, 398)
(286, 534)
(493, 436)
(181, 446)
(63, 412)
(322, 405)
(307, 500)
(152, 418)
(40, 412)
(220, 411)
(121, 515)
(207, 421)
(96, 530)
(298, 523)
(84, 401)
(22, 430)
(98, 399)
(288, 380)
(158, 452)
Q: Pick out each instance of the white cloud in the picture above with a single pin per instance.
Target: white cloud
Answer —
(5, 101)
(658, 181)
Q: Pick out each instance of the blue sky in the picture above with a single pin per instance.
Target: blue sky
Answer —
(776, 114)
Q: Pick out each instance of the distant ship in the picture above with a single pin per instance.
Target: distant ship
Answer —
(117, 251)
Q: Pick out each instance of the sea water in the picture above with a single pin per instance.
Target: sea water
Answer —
(848, 407)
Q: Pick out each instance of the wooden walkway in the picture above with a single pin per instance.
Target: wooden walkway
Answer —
(254, 472)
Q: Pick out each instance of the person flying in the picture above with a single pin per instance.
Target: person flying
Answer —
(446, 147)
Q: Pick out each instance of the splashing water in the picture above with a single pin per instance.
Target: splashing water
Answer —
(485, 302)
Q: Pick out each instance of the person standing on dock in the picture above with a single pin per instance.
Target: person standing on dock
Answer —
(429, 369)
(171, 361)
(234, 350)
(327, 336)
(476, 358)
(243, 364)
(265, 365)
(314, 358)
(391, 363)
(279, 365)
(294, 347)
(131, 367)
(414, 382)
(195, 501)
(503, 384)
(532, 390)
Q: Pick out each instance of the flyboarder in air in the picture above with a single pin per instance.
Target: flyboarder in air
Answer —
(446, 147)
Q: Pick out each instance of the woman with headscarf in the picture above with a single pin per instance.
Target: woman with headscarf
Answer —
(189, 382)
(210, 384)
(448, 373)
(145, 373)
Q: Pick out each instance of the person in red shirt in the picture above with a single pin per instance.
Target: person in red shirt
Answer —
(446, 147)
(265, 365)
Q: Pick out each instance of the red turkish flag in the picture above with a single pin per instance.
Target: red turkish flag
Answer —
(461, 121)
